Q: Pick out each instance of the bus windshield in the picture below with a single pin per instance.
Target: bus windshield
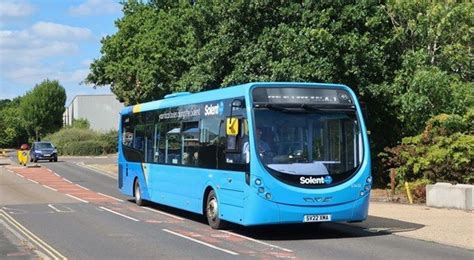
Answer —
(297, 139)
(308, 142)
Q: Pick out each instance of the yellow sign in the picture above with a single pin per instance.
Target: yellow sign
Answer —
(232, 126)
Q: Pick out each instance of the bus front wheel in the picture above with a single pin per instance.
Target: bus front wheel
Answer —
(212, 211)
(138, 194)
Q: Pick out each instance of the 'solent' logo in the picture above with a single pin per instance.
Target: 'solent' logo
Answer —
(319, 180)
(211, 110)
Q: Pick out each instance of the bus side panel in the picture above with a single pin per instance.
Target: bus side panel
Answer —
(231, 195)
(179, 187)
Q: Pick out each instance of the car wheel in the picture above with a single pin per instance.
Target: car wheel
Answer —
(55, 159)
(212, 212)
(35, 160)
(138, 194)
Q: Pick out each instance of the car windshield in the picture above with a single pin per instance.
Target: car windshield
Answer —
(44, 146)
(308, 141)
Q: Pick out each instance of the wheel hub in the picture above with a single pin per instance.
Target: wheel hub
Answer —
(212, 209)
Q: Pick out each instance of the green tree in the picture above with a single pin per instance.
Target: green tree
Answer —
(407, 60)
(12, 133)
(42, 108)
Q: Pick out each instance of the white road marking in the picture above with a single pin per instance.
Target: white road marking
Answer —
(47, 187)
(53, 253)
(200, 242)
(19, 175)
(120, 214)
(83, 165)
(74, 197)
(33, 181)
(54, 208)
(82, 187)
(256, 241)
(110, 197)
(66, 180)
(163, 213)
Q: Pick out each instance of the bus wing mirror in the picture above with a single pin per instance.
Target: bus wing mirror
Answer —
(237, 103)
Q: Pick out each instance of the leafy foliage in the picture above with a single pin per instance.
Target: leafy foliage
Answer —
(81, 123)
(407, 60)
(83, 141)
(42, 108)
(88, 147)
(12, 134)
(444, 151)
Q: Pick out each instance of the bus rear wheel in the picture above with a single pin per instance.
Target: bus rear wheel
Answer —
(138, 194)
(212, 211)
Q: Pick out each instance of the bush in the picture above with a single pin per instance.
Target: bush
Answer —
(66, 136)
(444, 151)
(109, 141)
(81, 123)
(74, 141)
(90, 147)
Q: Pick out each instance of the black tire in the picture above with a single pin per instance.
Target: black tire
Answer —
(56, 159)
(35, 160)
(50, 160)
(138, 194)
(212, 212)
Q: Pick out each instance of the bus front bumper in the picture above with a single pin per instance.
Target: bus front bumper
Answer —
(264, 212)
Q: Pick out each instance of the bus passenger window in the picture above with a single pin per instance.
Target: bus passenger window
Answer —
(208, 141)
(190, 141)
(171, 142)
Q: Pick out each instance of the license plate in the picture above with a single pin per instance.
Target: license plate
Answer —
(317, 218)
(47, 155)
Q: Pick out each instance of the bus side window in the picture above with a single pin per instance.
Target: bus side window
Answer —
(170, 141)
(190, 142)
(208, 142)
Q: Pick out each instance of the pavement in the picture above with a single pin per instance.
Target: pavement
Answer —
(445, 226)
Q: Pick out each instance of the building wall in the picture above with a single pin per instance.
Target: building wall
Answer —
(102, 111)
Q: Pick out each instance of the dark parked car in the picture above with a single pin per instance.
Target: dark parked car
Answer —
(43, 151)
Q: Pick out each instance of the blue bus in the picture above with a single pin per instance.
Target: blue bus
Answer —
(253, 154)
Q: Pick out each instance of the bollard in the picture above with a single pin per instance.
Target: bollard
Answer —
(407, 187)
(23, 154)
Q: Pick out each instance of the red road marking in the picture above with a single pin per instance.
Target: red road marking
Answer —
(47, 177)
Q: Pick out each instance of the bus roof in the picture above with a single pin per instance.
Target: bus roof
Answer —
(178, 99)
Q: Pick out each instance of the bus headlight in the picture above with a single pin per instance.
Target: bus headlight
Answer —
(261, 189)
(268, 196)
(369, 179)
(367, 187)
(258, 182)
(362, 193)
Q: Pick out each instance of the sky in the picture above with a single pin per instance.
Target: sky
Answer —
(52, 39)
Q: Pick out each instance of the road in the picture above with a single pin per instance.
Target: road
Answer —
(66, 211)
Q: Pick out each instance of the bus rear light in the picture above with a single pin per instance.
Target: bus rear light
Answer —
(258, 182)
(261, 190)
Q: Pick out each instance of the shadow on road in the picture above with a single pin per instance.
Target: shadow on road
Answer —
(373, 226)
